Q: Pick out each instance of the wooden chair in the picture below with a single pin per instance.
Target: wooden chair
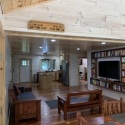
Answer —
(113, 107)
(81, 120)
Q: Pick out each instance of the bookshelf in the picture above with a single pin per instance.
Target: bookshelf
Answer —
(108, 84)
(122, 60)
(94, 68)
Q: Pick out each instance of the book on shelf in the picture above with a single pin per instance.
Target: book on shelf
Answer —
(93, 75)
(102, 54)
(108, 53)
(123, 79)
(92, 55)
(99, 54)
(123, 66)
(116, 87)
(123, 51)
(102, 83)
(93, 65)
(93, 61)
(123, 88)
(95, 55)
(120, 52)
(93, 70)
(107, 85)
(112, 53)
(105, 54)
(123, 73)
(116, 53)
(95, 82)
(123, 59)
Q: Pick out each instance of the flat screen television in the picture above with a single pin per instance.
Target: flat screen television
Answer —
(109, 69)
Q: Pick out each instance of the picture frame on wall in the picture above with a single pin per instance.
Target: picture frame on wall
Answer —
(80, 61)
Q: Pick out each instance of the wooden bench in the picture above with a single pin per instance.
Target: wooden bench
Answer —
(25, 109)
(66, 105)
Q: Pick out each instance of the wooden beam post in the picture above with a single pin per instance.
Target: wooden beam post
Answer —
(2, 77)
(2, 80)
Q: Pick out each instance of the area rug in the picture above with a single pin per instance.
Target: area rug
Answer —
(119, 117)
(53, 104)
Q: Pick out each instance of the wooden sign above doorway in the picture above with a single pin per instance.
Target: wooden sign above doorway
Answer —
(46, 26)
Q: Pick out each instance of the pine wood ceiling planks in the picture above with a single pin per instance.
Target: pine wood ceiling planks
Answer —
(26, 2)
(9, 5)
(14, 4)
(34, 1)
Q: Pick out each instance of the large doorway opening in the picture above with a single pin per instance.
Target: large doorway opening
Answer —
(82, 70)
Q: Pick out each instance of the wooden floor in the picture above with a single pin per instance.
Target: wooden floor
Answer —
(51, 116)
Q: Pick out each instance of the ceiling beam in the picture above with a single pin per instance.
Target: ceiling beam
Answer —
(14, 5)
(63, 37)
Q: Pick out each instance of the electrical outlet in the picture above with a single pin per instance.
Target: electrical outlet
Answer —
(0, 110)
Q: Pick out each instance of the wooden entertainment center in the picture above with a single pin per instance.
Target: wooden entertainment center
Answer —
(102, 82)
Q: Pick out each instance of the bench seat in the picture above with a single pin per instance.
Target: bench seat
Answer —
(74, 102)
(25, 96)
(25, 105)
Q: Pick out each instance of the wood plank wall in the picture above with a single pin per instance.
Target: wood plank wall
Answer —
(100, 18)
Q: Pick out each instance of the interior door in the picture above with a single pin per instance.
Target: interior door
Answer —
(25, 70)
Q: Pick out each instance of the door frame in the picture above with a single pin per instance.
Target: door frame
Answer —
(3, 86)
(30, 68)
(78, 66)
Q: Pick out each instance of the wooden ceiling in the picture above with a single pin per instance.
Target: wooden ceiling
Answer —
(9, 5)
(30, 46)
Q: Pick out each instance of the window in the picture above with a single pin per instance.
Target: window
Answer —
(47, 64)
(25, 62)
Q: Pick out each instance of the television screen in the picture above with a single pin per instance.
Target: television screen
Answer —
(109, 69)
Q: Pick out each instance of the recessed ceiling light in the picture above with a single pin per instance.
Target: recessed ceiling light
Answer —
(53, 40)
(78, 48)
(40, 47)
(63, 54)
(103, 43)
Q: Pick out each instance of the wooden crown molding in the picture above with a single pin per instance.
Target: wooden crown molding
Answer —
(13, 5)
(63, 37)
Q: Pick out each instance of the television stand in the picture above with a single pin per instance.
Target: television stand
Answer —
(108, 84)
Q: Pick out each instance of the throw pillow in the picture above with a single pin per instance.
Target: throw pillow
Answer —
(22, 89)
(17, 90)
(93, 97)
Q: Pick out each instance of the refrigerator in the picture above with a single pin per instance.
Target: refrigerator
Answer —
(65, 72)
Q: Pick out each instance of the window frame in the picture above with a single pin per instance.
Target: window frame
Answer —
(40, 67)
